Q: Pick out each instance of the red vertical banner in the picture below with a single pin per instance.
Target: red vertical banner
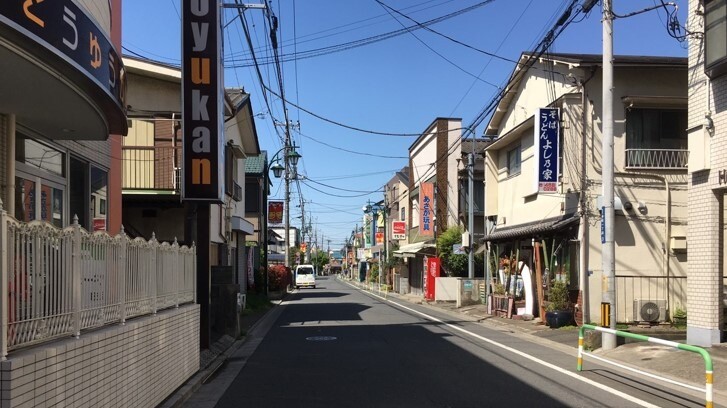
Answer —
(275, 212)
(432, 272)
(426, 209)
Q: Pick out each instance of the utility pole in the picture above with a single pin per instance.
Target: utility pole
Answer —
(471, 210)
(288, 147)
(608, 340)
(302, 229)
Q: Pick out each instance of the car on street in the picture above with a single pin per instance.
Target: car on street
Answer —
(305, 276)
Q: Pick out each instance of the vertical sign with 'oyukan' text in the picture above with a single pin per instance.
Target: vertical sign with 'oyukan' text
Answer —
(547, 131)
(202, 92)
(426, 209)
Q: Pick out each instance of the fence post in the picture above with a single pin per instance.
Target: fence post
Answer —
(152, 272)
(193, 270)
(76, 273)
(122, 247)
(4, 276)
(175, 275)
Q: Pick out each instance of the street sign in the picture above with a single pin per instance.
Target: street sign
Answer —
(603, 225)
(457, 249)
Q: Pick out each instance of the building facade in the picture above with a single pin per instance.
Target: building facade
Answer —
(707, 181)
(556, 233)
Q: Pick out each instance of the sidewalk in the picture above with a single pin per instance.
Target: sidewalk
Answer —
(663, 361)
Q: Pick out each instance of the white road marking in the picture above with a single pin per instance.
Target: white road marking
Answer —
(522, 354)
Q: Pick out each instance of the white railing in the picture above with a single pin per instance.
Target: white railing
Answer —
(657, 158)
(58, 282)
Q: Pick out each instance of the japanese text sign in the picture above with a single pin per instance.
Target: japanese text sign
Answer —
(547, 131)
(426, 209)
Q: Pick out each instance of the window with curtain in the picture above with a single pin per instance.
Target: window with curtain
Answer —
(653, 128)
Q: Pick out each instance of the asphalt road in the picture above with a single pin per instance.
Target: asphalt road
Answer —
(335, 346)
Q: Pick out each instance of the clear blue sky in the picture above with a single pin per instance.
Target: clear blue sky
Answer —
(398, 85)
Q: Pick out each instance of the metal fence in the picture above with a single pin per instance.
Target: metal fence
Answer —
(660, 290)
(58, 282)
(151, 167)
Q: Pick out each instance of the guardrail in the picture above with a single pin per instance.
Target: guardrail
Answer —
(708, 369)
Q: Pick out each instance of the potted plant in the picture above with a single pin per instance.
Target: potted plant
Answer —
(679, 317)
(558, 312)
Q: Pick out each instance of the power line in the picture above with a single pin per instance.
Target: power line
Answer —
(361, 42)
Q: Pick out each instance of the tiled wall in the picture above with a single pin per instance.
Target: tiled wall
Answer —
(706, 196)
(135, 365)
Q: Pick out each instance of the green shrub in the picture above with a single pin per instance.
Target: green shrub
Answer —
(558, 297)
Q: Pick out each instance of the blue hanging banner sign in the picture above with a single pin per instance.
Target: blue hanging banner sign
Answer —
(547, 131)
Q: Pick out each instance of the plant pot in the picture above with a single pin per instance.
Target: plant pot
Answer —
(559, 318)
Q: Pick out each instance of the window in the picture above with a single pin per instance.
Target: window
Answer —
(656, 138)
(715, 44)
(39, 155)
(99, 196)
(656, 129)
(403, 214)
(513, 161)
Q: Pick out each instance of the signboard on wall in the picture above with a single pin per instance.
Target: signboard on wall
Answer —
(202, 109)
(69, 32)
(426, 209)
(379, 238)
(275, 212)
(398, 230)
(547, 133)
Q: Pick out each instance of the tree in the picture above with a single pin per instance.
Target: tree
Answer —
(319, 260)
(454, 265)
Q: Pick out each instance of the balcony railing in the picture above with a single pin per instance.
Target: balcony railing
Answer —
(236, 191)
(151, 168)
(657, 158)
(56, 283)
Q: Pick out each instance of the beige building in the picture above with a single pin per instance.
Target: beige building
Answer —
(563, 227)
(152, 161)
(707, 175)
(438, 157)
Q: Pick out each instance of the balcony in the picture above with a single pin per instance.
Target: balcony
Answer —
(657, 159)
(152, 168)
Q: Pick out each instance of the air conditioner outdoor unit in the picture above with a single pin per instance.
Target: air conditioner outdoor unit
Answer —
(652, 311)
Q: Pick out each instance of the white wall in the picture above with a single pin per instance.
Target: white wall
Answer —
(136, 365)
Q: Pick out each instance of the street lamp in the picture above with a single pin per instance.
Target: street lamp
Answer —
(374, 210)
(290, 158)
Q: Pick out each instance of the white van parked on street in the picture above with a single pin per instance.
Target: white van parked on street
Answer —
(305, 276)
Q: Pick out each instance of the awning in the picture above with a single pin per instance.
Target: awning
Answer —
(531, 229)
(410, 250)
(242, 225)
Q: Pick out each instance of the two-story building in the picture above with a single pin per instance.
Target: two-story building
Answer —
(437, 192)
(554, 225)
(152, 157)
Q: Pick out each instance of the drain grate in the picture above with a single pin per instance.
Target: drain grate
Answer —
(321, 338)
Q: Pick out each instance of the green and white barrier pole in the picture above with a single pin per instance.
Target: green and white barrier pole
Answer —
(708, 368)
